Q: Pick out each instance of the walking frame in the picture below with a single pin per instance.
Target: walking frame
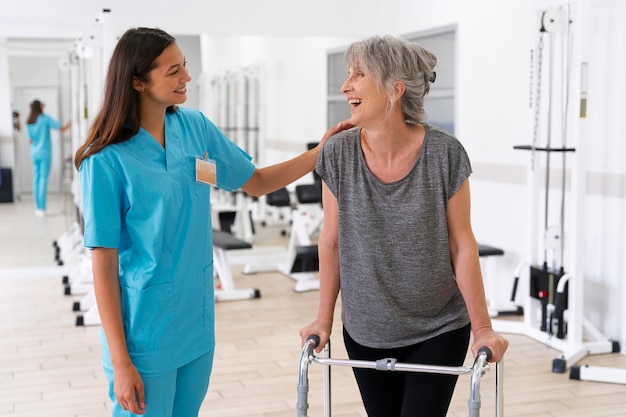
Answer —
(477, 371)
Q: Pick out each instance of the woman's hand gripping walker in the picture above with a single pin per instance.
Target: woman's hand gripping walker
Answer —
(477, 370)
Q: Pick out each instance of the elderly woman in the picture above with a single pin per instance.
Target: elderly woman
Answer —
(397, 240)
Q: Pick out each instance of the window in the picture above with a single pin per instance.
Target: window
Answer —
(337, 108)
(439, 103)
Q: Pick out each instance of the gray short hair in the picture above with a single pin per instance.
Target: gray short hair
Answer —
(389, 59)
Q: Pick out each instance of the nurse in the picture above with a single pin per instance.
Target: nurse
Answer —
(146, 171)
(39, 125)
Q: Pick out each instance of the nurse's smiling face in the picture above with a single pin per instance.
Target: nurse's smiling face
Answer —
(168, 80)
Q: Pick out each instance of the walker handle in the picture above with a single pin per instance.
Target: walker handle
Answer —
(315, 339)
(486, 351)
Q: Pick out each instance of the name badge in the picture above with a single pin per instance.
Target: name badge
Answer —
(206, 171)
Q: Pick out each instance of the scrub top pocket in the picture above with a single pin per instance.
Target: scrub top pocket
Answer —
(150, 317)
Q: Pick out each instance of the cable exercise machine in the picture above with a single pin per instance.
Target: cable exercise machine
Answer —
(553, 312)
(234, 104)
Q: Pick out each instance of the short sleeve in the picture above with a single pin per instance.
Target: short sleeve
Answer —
(102, 198)
(234, 165)
(323, 166)
(52, 122)
(459, 166)
(340, 148)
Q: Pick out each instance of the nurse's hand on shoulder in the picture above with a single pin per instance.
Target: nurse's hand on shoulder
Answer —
(128, 388)
(343, 125)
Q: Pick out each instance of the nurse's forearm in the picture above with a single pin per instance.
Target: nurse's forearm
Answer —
(271, 178)
(108, 299)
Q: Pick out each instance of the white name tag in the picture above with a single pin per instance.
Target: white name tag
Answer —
(206, 171)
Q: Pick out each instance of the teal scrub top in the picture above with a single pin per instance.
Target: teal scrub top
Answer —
(144, 200)
(39, 133)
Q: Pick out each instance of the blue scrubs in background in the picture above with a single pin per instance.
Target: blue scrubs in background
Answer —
(145, 201)
(41, 155)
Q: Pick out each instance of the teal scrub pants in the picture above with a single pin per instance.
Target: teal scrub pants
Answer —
(41, 171)
(177, 394)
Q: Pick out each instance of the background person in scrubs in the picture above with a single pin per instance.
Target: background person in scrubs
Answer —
(39, 125)
(147, 220)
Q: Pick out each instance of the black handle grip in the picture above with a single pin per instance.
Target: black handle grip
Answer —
(315, 338)
(486, 351)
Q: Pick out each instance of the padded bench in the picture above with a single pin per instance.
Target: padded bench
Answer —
(226, 241)
(490, 252)
(307, 259)
(222, 243)
(485, 250)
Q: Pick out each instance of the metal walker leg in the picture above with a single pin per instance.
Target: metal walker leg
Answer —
(477, 371)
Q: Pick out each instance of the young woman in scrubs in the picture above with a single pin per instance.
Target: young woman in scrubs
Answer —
(39, 125)
(146, 170)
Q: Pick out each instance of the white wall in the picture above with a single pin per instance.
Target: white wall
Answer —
(605, 223)
(6, 123)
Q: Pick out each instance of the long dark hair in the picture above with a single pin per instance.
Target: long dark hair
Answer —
(36, 108)
(119, 118)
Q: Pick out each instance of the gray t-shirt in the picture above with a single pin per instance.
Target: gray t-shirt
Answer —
(397, 283)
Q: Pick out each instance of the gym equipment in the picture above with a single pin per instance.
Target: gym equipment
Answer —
(278, 209)
(68, 249)
(80, 282)
(553, 312)
(301, 261)
(69, 245)
(235, 107)
(80, 278)
(90, 318)
(487, 256)
(234, 245)
(222, 243)
(477, 371)
(231, 211)
(86, 302)
(598, 374)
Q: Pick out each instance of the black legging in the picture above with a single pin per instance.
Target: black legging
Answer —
(402, 394)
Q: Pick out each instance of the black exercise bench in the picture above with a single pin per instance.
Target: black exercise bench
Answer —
(222, 243)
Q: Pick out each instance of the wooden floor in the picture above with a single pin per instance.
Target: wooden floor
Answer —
(50, 367)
